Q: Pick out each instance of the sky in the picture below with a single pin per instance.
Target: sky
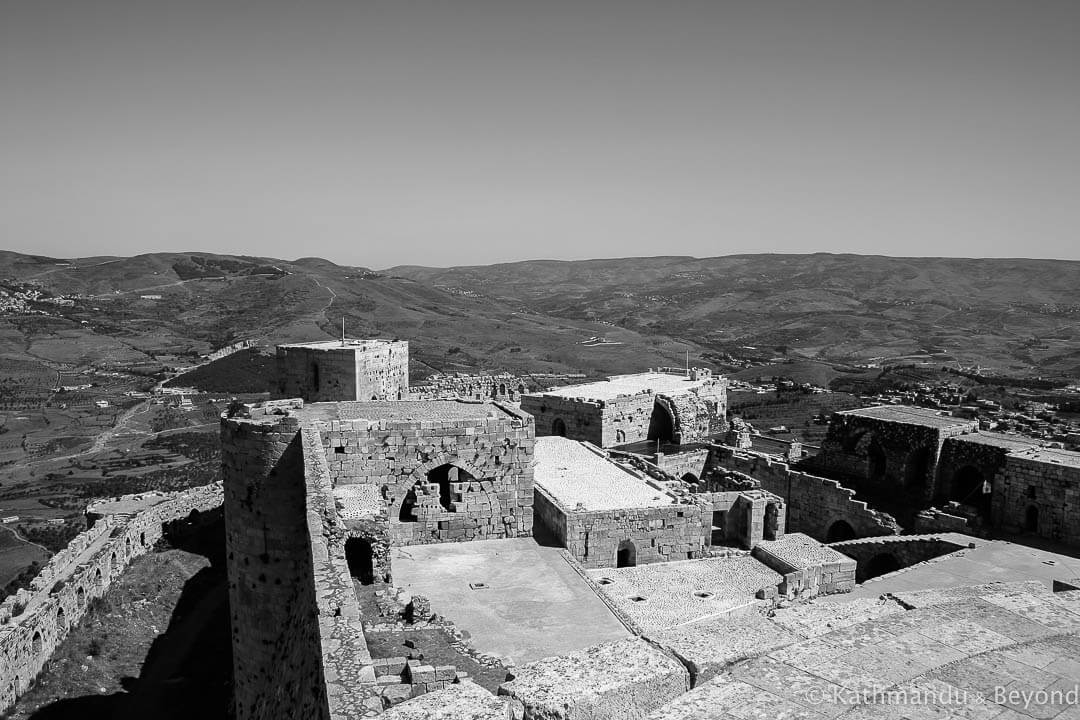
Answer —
(459, 132)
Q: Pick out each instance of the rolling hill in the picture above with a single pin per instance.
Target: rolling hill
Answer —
(1017, 316)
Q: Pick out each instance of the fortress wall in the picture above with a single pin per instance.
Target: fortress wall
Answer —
(277, 653)
(583, 418)
(911, 451)
(814, 503)
(1052, 490)
(34, 622)
(343, 652)
(397, 456)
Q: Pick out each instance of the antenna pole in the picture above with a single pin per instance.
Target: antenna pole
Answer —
(687, 363)
(342, 331)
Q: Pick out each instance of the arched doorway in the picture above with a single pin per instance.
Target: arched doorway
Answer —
(969, 487)
(917, 470)
(445, 476)
(626, 555)
(407, 513)
(61, 619)
(358, 555)
(661, 425)
(880, 564)
(1031, 519)
(875, 462)
(80, 596)
(36, 643)
(839, 531)
(558, 428)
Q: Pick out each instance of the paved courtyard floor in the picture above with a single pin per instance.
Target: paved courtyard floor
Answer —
(534, 604)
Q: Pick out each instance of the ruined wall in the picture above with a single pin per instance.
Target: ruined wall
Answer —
(694, 415)
(34, 622)
(501, 386)
(398, 456)
(659, 534)
(957, 456)
(742, 517)
(814, 504)
(359, 370)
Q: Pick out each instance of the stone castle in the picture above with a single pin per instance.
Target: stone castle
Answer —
(685, 572)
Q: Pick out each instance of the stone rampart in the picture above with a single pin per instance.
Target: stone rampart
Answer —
(500, 386)
(814, 504)
(34, 622)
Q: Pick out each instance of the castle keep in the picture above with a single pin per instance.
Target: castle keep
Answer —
(336, 370)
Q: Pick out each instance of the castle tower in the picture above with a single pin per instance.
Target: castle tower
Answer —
(338, 370)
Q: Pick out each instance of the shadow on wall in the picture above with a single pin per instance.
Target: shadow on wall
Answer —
(187, 672)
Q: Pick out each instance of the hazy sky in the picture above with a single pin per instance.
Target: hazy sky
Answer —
(383, 133)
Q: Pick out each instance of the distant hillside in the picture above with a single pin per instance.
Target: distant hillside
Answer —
(596, 316)
(172, 307)
(1016, 315)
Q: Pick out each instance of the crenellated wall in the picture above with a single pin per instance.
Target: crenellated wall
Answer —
(34, 622)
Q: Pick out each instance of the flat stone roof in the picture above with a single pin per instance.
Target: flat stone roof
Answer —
(404, 410)
(624, 385)
(582, 477)
(910, 415)
(802, 551)
(349, 344)
(127, 504)
(1024, 447)
(675, 593)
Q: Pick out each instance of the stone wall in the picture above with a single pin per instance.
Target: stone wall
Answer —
(809, 569)
(658, 534)
(496, 502)
(329, 372)
(814, 504)
(575, 418)
(277, 655)
(885, 454)
(1037, 496)
(898, 552)
(34, 622)
(742, 517)
(692, 462)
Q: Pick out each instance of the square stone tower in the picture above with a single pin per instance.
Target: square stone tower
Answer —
(343, 370)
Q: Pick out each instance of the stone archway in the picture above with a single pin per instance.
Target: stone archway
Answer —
(558, 427)
(626, 554)
(445, 476)
(1031, 519)
(839, 531)
(361, 560)
(661, 424)
(876, 463)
